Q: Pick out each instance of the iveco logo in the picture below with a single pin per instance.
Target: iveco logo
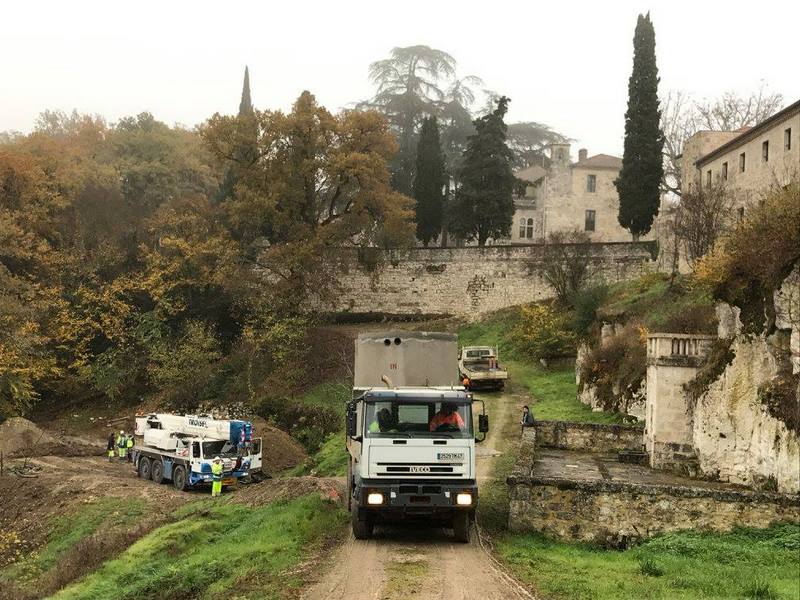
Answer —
(450, 456)
(419, 469)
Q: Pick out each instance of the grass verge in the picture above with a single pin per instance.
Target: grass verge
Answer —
(214, 548)
(746, 563)
(111, 516)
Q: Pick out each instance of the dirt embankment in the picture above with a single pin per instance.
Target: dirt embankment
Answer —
(20, 437)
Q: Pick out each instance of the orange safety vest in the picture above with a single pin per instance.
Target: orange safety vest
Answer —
(451, 419)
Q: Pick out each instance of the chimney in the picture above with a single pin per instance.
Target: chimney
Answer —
(582, 154)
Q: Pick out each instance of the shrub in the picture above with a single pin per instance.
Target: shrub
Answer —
(584, 308)
(616, 369)
(752, 260)
(760, 589)
(543, 332)
(566, 263)
(719, 356)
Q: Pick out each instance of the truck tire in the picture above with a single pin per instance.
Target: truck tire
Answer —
(157, 471)
(362, 527)
(144, 468)
(461, 527)
(179, 478)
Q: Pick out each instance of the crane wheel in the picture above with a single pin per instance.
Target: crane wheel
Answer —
(144, 467)
(157, 471)
(179, 478)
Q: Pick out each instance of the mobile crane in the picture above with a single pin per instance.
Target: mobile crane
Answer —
(181, 448)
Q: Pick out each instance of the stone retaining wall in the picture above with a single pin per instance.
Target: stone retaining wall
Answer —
(590, 437)
(618, 514)
(464, 281)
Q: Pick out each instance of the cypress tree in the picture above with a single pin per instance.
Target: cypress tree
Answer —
(484, 206)
(639, 179)
(248, 132)
(429, 181)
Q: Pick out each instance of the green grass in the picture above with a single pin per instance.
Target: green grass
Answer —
(216, 549)
(554, 392)
(66, 530)
(329, 461)
(332, 396)
(746, 563)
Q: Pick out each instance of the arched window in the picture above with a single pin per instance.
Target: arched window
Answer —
(522, 228)
(529, 233)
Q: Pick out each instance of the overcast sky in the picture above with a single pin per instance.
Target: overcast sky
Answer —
(564, 63)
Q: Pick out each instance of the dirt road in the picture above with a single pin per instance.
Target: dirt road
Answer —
(419, 562)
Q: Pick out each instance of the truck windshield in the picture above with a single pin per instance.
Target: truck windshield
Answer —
(217, 448)
(418, 419)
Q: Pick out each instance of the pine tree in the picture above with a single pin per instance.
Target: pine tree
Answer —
(484, 207)
(429, 180)
(639, 179)
(248, 133)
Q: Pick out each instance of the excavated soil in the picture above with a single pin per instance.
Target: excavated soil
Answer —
(21, 437)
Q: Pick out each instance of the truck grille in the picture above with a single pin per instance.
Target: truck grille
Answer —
(419, 469)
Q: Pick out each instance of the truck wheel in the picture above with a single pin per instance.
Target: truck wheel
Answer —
(362, 527)
(179, 478)
(144, 467)
(157, 471)
(461, 527)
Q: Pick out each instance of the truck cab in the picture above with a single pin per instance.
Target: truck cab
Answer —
(412, 447)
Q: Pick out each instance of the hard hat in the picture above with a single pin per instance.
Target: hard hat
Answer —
(122, 431)
(216, 458)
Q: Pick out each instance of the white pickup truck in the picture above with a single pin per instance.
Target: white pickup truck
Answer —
(410, 434)
(479, 366)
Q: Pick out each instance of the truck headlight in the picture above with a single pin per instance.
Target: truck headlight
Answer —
(375, 498)
(464, 499)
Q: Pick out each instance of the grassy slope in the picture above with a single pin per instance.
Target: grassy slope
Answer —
(66, 530)
(215, 547)
(747, 563)
(553, 390)
(331, 458)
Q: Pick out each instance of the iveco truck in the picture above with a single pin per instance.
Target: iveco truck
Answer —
(411, 434)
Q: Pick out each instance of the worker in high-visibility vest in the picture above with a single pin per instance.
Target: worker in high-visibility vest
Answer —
(216, 477)
(111, 447)
(121, 441)
(129, 447)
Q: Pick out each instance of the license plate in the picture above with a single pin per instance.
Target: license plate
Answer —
(450, 456)
(419, 469)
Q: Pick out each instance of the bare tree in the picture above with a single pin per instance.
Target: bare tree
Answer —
(681, 117)
(566, 263)
(700, 219)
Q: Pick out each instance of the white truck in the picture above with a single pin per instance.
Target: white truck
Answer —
(181, 448)
(480, 367)
(410, 434)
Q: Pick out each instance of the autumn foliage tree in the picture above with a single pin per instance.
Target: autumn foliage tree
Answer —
(322, 182)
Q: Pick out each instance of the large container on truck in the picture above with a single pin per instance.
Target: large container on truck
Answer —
(410, 433)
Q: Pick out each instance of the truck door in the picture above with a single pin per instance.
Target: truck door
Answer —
(255, 455)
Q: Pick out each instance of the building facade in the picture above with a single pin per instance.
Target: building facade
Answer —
(562, 196)
(749, 162)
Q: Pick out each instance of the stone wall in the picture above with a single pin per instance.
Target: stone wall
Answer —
(617, 514)
(589, 437)
(464, 281)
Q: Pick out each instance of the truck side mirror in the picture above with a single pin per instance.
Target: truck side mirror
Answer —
(350, 422)
(483, 423)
